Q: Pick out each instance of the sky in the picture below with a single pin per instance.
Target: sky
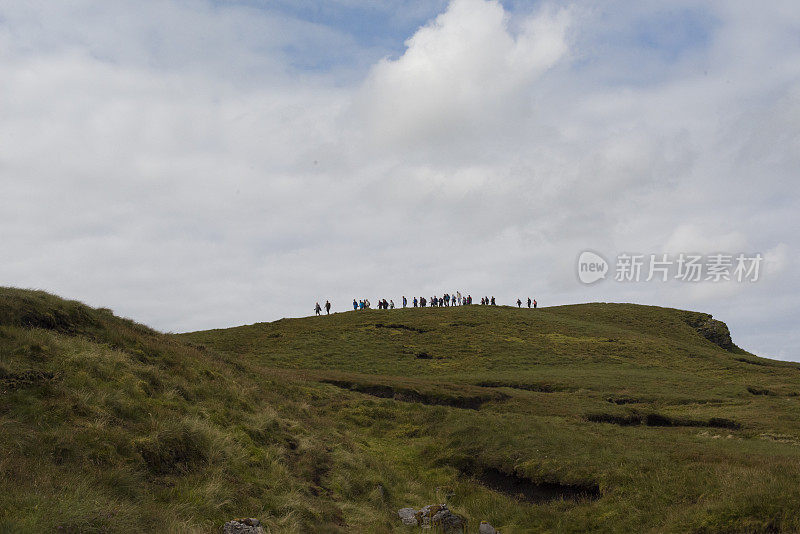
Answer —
(204, 164)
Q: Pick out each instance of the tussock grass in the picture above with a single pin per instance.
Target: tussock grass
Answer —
(331, 424)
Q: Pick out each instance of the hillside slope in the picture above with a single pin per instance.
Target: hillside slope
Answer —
(595, 417)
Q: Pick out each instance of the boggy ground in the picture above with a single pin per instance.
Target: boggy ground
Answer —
(595, 417)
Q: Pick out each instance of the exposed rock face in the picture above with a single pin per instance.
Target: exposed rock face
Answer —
(715, 331)
(249, 525)
(434, 516)
(408, 516)
(486, 528)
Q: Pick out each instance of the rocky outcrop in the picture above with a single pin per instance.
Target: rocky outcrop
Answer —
(715, 331)
(249, 525)
(437, 516)
(408, 516)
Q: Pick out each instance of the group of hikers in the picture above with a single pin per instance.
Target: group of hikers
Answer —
(318, 308)
(365, 304)
(440, 302)
(435, 302)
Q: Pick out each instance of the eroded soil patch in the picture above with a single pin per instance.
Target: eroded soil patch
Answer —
(443, 398)
(541, 387)
(525, 489)
(657, 419)
(401, 327)
(754, 362)
(753, 390)
(624, 400)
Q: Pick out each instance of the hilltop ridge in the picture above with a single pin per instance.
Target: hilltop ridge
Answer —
(591, 417)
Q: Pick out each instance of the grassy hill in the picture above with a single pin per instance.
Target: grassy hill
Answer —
(595, 417)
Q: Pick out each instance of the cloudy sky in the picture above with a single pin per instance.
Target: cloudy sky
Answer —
(200, 164)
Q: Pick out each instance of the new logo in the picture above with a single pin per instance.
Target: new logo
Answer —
(591, 267)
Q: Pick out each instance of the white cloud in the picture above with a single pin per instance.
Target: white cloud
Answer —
(776, 259)
(691, 238)
(462, 74)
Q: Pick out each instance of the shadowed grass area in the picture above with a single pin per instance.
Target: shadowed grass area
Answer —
(596, 417)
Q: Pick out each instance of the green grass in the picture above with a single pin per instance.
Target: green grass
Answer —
(331, 424)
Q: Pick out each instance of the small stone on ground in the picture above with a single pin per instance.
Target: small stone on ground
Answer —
(248, 525)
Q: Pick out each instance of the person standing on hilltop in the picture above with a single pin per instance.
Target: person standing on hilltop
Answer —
(327, 307)
(519, 303)
(391, 304)
(534, 303)
(355, 304)
(415, 302)
(318, 308)
(493, 304)
(529, 302)
(405, 301)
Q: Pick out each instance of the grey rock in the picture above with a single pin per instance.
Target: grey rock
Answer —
(437, 516)
(408, 516)
(249, 525)
(448, 522)
(486, 528)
